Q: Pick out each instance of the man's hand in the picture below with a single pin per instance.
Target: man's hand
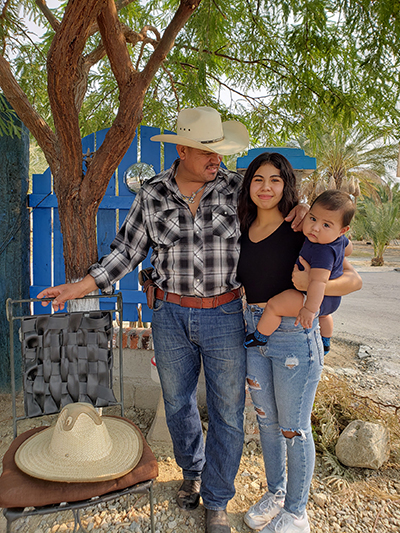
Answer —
(297, 214)
(300, 278)
(68, 291)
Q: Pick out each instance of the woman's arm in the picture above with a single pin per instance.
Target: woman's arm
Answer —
(349, 281)
(349, 249)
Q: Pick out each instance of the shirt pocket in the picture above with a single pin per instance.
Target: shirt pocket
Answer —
(225, 222)
(165, 228)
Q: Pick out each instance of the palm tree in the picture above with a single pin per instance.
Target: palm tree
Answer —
(347, 159)
(380, 220)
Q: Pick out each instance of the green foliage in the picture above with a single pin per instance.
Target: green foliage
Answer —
(349, 158)
(274, 65)
(37, 161)
(380, 222)
(9, 123)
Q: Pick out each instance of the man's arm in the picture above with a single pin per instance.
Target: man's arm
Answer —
(349, 281)
(128, 249)
(68, 291)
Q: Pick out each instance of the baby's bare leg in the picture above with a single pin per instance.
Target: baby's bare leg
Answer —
(326, 328)
(287, 303)
(326, 325)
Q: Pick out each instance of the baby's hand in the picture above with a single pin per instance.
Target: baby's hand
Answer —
(305, 318)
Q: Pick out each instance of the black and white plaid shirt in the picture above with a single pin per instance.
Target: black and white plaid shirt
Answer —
(191, 255)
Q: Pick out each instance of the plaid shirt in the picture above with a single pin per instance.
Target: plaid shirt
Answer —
(191, 255)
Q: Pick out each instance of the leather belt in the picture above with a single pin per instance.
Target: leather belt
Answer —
(198, 302)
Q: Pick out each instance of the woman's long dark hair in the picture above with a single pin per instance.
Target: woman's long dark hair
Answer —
(247, 209)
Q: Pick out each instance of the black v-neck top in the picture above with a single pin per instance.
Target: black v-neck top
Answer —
(265, 267)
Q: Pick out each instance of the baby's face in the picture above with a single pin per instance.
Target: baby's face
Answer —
(323, 226)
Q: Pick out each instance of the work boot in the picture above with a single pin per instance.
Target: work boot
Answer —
(189, 494)
(217, 522)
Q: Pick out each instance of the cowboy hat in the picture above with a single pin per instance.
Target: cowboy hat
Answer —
(202, 128)
(83, 446)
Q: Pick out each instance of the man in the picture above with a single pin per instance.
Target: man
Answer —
(187, 215)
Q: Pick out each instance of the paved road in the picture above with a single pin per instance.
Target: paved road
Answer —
(372, 317)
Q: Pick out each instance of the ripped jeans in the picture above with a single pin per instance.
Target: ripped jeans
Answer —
(283, 377)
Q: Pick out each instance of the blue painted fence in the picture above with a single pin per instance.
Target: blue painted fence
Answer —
(48, 260)
(47, 251)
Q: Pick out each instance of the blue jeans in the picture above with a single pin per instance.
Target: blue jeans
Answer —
(183, 337)
(283, 378)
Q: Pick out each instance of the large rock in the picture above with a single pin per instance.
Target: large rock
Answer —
(364, 445)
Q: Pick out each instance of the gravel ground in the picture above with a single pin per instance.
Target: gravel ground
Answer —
(369, 503)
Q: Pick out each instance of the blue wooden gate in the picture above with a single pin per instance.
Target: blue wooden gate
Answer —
(47, 245)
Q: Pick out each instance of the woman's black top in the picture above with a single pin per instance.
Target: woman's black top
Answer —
(265, 267)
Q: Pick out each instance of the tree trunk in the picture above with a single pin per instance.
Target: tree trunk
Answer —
(377, 261)
(78, 226)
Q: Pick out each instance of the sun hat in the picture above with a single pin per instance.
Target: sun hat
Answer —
(202, 128)
(82, 447)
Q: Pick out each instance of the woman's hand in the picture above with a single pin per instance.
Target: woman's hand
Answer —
(348, 282)
(300, 278)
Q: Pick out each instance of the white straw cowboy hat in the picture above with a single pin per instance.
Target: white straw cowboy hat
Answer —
(83, 446)
(202, 128)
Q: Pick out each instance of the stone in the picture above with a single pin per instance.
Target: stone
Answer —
(320, 498)
(364, 445)
(364, 351)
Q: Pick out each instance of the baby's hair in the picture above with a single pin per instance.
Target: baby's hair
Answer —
(335, 200)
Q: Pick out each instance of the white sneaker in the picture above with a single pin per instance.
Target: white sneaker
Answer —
(261, 513)
(286, 522)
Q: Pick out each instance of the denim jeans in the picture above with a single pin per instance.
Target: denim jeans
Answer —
(283, 377)
(183, 338)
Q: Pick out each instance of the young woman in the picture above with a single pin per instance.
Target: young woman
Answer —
(283, 375)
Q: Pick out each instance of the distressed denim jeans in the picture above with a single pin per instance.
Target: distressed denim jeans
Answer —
(183, 339)
(283, 377)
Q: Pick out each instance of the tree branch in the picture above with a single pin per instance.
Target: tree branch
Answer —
(173, 87)
(32, 120)
(262, 63)
(185, 10)
(133, 87)
(63, 66)
(115, 44)
(54, 23)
